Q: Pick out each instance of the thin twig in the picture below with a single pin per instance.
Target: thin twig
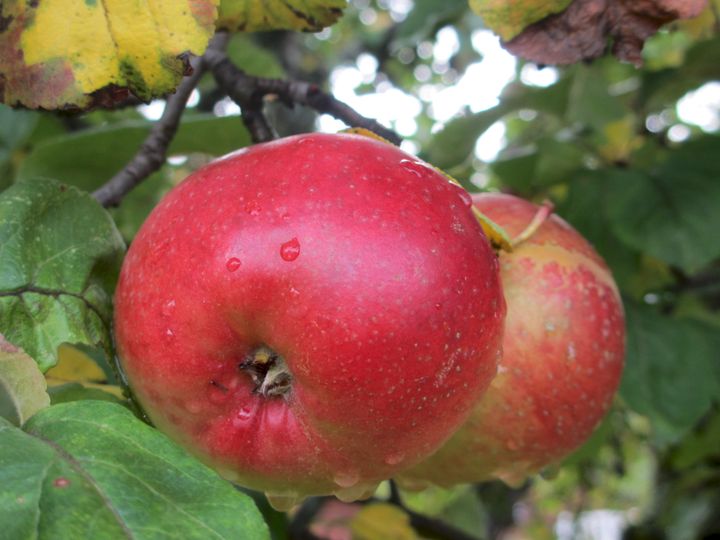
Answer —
(247, 90)
(152, 153)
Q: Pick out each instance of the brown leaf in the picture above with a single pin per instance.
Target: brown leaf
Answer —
(587, 27)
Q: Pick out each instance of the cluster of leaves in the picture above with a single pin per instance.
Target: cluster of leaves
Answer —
(600, 142)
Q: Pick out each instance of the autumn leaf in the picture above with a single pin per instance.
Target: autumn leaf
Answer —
(508, 19)
(584, 29)
(76, 54)
(254, 15)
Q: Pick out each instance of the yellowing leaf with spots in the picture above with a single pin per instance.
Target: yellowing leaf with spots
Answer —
(507, 18)
(254, 15)
(76, 54)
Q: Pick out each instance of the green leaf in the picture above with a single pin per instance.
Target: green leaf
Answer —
(455, 142)
(670, 370)
(508, 19)
(90, 469)
(670, 211)
(425, 17)
(661, 88)
(89, 158)
(254, 15)
(22, 386)
(101, 52)
(59, 258)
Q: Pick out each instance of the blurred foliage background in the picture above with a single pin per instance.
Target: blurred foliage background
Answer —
(631, 157)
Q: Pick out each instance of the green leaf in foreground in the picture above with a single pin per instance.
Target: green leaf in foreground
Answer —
(90, 469)
(59, 258)
(670, 372)
(22, 386)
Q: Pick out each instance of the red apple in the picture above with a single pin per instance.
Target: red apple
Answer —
(562, 361)
(311, 315)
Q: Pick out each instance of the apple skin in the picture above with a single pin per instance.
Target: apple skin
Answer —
(563, 356)
(361, 266)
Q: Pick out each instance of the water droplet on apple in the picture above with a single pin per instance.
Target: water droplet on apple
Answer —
(351, 494)
(253, 208)
(410, 166)
(346, 479)
(282, 502)
(465, 197)
(294, 291)
(290, 250)
(571, 353)
(244, 413)
(394, 459)
(438, 306)
(167, 308)
(550, 327)
(169, 335)
(233, 264)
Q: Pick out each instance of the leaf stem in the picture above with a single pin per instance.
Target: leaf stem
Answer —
(544, 212)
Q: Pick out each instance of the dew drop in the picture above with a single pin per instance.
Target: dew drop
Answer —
(465, 197)
(282, 502)
(232, 264)
(351, 494)
(294, 291)
(169, 335)
(167, 308)
(394, 459)
(571, 353)
(438, 306)
(244, 413)
(253, 208)
(290, 250)
(346, 479)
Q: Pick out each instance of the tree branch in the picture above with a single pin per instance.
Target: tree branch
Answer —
(249, 92)
(152, 153)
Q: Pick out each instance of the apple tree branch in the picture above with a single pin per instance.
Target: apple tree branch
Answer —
(247, 91)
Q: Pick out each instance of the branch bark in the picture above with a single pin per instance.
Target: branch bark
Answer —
(249, 92)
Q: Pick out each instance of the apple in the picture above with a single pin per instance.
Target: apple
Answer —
(563, 356)
(310, 315)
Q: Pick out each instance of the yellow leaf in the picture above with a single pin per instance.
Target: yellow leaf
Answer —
(254, 15)
(74, 366)
(619, 139)
(382, 522)
(81, 53)
(507, 18)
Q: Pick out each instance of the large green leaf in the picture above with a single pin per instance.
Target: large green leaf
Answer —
(671, 211)
(91, 157)
(59, 259)
(90, 469)
(670, 374)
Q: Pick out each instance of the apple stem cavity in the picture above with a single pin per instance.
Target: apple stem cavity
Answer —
(544, 212)
(268, 371)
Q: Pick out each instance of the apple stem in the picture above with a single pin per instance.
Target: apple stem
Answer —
(544, 212)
